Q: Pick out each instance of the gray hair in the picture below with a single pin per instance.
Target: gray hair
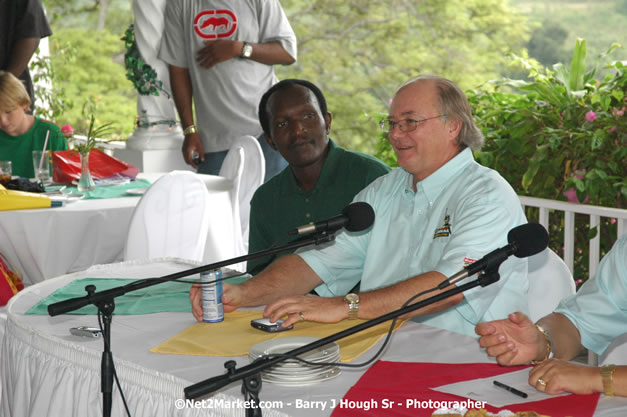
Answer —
(454, 104)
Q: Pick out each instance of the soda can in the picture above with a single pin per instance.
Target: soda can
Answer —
(212, 307)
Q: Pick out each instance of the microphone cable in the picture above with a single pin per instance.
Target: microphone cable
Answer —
(369, 361)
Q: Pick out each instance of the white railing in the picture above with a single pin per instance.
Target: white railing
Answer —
(570, 209)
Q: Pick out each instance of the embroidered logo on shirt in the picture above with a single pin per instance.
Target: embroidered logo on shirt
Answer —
(445, 230)
(468, 261)
(215, 24)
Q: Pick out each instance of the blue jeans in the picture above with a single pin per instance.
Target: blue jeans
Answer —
(274, 161)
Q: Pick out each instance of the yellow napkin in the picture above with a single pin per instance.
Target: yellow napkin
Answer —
(235, 336)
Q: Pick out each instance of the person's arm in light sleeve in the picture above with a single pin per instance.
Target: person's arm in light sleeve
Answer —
(592, 318)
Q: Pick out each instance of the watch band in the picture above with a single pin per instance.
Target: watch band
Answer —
(189, 130)
(607, 376)
(549, 345)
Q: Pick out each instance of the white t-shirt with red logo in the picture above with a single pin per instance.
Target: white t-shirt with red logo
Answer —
(226, 96)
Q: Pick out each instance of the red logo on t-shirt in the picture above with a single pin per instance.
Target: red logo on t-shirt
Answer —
(215, 24)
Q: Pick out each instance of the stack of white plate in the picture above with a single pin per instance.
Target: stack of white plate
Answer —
(292, 372)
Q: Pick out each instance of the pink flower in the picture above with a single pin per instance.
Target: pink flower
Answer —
(571, 193)
(591, 116)
(612, 221)
(611, 129)
(67, 131)
(620, 112)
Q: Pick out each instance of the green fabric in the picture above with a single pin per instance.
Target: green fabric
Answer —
(18, 149)
(107, 191)
(280, 204)
(166, 297)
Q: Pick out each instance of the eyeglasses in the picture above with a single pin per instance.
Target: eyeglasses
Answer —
(406, 125)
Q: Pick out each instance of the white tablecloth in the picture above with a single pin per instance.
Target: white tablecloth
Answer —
(47, 371)
(47, 243)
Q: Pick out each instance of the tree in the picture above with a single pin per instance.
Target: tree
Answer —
(360, 52)
(101, 80)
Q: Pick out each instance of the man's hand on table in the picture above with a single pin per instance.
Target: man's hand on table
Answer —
(309, 308)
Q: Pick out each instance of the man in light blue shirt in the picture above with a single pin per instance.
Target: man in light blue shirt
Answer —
(439, 211)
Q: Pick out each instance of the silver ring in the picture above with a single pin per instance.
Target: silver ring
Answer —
(542, 382)
(302, 316)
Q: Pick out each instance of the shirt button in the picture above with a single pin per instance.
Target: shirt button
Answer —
(308, 215)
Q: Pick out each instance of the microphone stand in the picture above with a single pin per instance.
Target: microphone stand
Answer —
(252, 371)
(104, 301)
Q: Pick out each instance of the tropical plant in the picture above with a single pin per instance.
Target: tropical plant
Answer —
(93, 133)
(561, 136)
(567, 126)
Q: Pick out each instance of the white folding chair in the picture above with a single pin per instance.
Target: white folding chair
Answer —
(245, 166)
(171, 219)
(550, 280)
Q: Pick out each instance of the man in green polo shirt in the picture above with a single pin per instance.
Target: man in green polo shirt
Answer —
(321, 179)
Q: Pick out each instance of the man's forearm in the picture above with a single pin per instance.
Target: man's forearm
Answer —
(271, 53)
(565, 336)
(182, 92)
(287, 276)
(378, 302)
(23, 51)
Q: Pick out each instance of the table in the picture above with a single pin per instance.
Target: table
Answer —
(46, 371)
(46, 243)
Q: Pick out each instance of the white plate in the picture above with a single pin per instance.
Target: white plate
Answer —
(136, 191)
(285, 344)
(294, 373)
(332, 373)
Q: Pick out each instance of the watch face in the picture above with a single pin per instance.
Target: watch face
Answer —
(247, 51)
(352, 298)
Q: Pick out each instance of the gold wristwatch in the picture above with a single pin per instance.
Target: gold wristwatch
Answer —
(189, 130)
(352, 300)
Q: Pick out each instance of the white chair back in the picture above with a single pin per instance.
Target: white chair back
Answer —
(550, 280)
(245, 166)
(171, 219)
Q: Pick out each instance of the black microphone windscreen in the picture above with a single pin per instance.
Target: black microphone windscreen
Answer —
(530, 238)
(360, 216)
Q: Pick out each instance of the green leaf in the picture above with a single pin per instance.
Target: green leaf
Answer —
(579, 184)
(578, 66)
(618, 94)
(592, 232)
(605, 102)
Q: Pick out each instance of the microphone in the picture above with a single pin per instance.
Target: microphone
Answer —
(355, 217)
(524, 240)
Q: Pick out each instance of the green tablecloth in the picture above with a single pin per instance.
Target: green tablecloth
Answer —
(165, 297)
(110, 191)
